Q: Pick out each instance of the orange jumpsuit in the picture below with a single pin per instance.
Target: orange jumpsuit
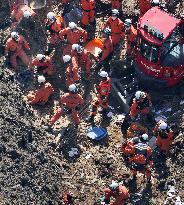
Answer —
(120, 196)
(16, 50)
(70, 101)
(115, 4)
(131, 39)
(107, 48)
(140, 106)
(83, 60)
(117, 29)
(164, 140)
(17, 13)
(136, 129)
(44, 66)
(54, 29)
(72, 73)
(41, 95)
(88, 7)
(144, 6)
(75, 36)
(103, 90)
(141, 159)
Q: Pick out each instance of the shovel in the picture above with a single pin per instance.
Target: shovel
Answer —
(37, 4)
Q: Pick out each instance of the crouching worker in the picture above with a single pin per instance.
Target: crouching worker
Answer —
(70, 102)
(141, 160)
(117, 192)
(15, 48)
(41, 96)
(43, 64)
(164, 137)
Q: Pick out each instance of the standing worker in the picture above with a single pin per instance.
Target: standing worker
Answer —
(103, 92)
(141, 159)
(116, 4)
(82, 57)
(43, 64)
(141, 105)
(15, 48)
(116, 26)
(164, 137)
(131, 37)
(72, 70)
(70, 101)
(118, 192)
(41, 96)
(72, 35)
(107, 51)
(88, 8)
(54, 25)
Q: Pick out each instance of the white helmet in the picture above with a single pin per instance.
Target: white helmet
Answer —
(163, 126)
(72, 87)
(114, 185)
(155, 2)
(51, 15)
(39, 56)
(139, 94)
(66, 58)
(115, 12)
(41, 79)
(27, 14)
(75, 47)
(144, 137)
(103, 74)
(128, 22)
(72, 25)
(14, 34)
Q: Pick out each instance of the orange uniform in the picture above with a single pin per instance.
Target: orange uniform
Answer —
(45, 66)
(116, 4)
(72, 73)
(121, 195)
(107, 48)
(15, 48)
(117, 29)
(144, 6)
(164, 139)
(131, 39)
(54, 29)
(136, 129)
(41, 95)
(140, 106)
(88, 7)
(17, 13)
(70, 101)
(103, 90)
(83, 60)
(75, 36)
(141, 159)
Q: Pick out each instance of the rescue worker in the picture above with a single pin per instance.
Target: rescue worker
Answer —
(141, 105)
(164, 137)
(88, 8)
(70, 102)
(43, 64)
(82, 57)
(41, 96)
(116, 26)
(72, 70)
(144, 6)
(54, 25)
(118, 192)
(15, 48)
(103, 92)
(141, 161)
(107, 51)
(116, 4)
(131, 37)
(136, 129)
(72, 35)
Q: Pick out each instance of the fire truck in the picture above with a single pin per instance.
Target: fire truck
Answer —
(159, 60)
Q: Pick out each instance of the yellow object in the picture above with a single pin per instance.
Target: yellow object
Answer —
(94, 46)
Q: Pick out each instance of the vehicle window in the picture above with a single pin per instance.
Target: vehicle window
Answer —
(150, 52)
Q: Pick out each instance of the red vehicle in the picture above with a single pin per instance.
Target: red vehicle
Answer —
(160, 56)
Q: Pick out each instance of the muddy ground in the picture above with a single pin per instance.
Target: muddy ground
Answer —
(32, 171)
